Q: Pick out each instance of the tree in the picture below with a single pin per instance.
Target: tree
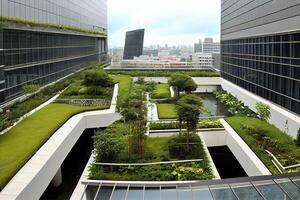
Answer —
(188, 110)
(263, 111)
(298, 138)
(97, 78)
(134, 112)
(30, 88)
(182, 82)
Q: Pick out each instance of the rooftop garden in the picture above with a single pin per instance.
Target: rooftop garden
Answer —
(124, 152)
(5, 19)
(261, 136)
(20, 143)
(166, 111)
(166, 73)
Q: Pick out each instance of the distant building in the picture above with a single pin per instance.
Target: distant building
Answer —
(202, 60)
(216, 61)
(209, 46)
(198, 47)
(134, 44)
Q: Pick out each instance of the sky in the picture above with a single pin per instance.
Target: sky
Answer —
(172, 22)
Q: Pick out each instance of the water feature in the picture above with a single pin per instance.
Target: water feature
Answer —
(226, 163)
(214, 107)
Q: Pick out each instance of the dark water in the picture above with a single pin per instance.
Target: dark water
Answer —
(72, 168)
(214, 107)
(226, 163)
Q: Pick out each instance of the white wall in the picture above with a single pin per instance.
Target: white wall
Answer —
(279, 115)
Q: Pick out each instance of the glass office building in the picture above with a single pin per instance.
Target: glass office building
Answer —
(260, 43)
(41, 55)
(134, 44)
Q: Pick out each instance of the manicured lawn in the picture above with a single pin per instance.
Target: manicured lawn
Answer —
(19, 144)
(267, 137)
(162, 91)
(166, 111)
(125, 83)
(153, 143)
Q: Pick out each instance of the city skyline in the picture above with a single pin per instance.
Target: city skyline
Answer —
(200, 19)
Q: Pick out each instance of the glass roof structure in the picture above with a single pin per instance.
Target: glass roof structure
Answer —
(274, 187)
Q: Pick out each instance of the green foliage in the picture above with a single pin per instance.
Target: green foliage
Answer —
(210, 124)
(182, 82)
(167, 73)
(162, 91)
(125, 83)
(260, 135)
(178, 147)
(57, 26)
(175, 125)
(106, 148)
(150, 86)
(30, 88)
(96, 77)
(188, 110)
(235, 106)
(298, 139)
(263, 111)
(166, 111)
(20, 143)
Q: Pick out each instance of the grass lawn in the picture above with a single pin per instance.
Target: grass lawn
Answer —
(153, 143)
(125, 83)
(19, 144)
(166, 111)
(274, 140)
(162, 91)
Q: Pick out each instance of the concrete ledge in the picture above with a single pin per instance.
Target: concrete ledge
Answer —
(252, 165)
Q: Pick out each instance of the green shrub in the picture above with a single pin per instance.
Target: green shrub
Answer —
(162, 126)
(95, 77)
(210, 124)
(178, 148)
(263, 111)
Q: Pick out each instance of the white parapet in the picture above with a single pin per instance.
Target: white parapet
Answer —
(280, 117)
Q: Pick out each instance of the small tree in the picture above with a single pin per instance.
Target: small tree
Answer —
(97, 78)
(263, 111)
(298, 138)
(30, 88)
(182, 82)
(188, 111)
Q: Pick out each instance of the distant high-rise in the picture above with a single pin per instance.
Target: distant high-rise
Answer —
(134, 44)
(209, 46)
(31, 51)
(198, 47)
(261, 49)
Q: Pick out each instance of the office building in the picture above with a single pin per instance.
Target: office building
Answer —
(209, 46)
(216, 61)
(261, 54)
(43, 41)
(134, 44)
(198, 47)
(202, 60)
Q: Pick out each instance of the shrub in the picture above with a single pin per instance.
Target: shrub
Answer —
(178, 148)
(95, 77)
(263, 111)
(30, 88)
(106, 148)
(210, 124)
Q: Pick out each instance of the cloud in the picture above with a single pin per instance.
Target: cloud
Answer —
(172, 22)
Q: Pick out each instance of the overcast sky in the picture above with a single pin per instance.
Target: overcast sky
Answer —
(172, 22)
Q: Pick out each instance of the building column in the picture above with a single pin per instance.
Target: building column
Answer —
(57, 179)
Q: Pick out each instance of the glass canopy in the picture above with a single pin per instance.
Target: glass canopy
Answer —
(274, 187)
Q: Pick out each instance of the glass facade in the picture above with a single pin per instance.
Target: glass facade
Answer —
(268, 66)
(134, 44)
(42, 56)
